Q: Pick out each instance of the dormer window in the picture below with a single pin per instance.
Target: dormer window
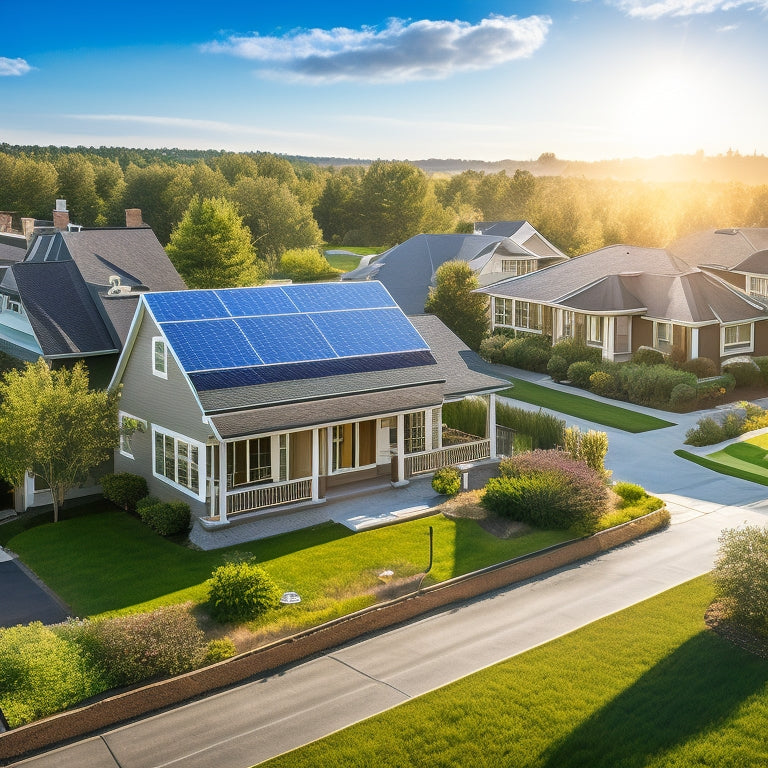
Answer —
(159, 357)
(12, 305)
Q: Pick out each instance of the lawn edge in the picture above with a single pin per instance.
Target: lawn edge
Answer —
(722, 469)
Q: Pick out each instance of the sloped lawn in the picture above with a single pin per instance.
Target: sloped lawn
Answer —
(745, 459)
(584, 408)
(649, 687)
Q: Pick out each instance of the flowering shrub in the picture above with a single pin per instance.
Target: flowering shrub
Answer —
(602, 383)
(548, 489)
(220, 649)
(241, 591)
(447, 481)
(580, 371)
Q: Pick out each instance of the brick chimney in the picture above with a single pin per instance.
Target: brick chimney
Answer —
(61, 215)
(6, 221)
(133, 217)
(28, 227)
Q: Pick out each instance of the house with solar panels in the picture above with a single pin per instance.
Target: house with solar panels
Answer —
(251, 401)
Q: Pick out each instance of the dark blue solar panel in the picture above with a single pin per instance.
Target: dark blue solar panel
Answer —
(321, 297)
(266, 300)
(368, 331)
(208, 344)
(271, 374)
(285, 338)
(185, 305)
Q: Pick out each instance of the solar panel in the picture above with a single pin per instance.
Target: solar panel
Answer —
(321, 297)
(368, 331)
(285, 338)
(185, 305)
(265, 300)
(210, 344)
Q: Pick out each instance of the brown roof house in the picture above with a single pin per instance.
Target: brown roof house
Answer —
(253, 401)
(623, 297)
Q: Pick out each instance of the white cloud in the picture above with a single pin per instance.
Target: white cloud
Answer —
(13, 67)
(657, 8)
(399, 51)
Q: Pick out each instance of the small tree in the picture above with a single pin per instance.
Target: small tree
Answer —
(452, 300)
(211, 248)
(741, 575)
(54, 426)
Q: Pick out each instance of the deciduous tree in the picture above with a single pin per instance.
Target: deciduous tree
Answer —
(54, 426)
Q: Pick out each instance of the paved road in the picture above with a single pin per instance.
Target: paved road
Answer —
(258, 720)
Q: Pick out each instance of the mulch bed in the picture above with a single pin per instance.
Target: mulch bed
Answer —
(717, 620)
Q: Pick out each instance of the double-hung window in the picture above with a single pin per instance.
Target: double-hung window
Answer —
(159, 357)
(758, 286)
(415, 425)
(738, 338)
(528, 315)
(595, 330)
(503, 311)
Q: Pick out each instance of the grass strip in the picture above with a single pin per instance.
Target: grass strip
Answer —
(648, 687)
(584, 408)
(723, 468)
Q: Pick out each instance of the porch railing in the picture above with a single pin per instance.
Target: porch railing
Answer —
(429, 461)
(251, 499)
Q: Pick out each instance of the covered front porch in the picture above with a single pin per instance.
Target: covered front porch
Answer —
(267, 474)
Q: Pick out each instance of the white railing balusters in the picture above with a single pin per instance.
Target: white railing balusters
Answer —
(429, 461)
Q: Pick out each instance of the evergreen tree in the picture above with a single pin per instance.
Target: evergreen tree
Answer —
(211, 247)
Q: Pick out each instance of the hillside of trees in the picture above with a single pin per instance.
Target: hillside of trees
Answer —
(292, 203)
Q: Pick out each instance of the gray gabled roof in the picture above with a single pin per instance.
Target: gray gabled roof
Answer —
(756, 264)
(408, 270)
(61, 310)
(721, 248)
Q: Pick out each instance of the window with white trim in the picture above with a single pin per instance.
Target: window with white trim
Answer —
(758, 286)
(12, 305)
(177, 460)
(567, 324)
(528, 315)
(662, 335)
(415, 427)
(517, 267)
(503, 311)
(595, 330)
(249, 461)
(129, 426)
(353, 445)
(159, 357)
(738, 337)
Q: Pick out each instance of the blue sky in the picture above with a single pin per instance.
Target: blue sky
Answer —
(586, 79)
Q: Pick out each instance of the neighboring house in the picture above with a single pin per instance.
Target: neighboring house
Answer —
(75, 293)
(12, 248)
(408, 270)
(248, 401)
(738, 256)
(623, 297)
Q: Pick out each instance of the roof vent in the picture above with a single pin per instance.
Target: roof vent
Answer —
(726, 231)
(115, 288)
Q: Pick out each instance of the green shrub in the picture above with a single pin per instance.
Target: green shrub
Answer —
(124, 489)
(701, 367)
(491, 347)
(41, 672)
(530, 353)
(129, 649)
(630, 493)
(447, 481)
(762, 364)
(219, 649)
(557, 368)
(164, 517)
(706, 432)
(682, 396)
(544, 429)
(716, 388)
(745, 374)
(573, 351)
(647, 356)
(602, 383)
(579, 373)
(741, 575)
(653, 384)
(468, 415)
(590, 447)
(241, 591)
(305, 264)
(754, 417)
(548, 489)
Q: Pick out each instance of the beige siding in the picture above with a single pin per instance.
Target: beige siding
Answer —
(167, 403)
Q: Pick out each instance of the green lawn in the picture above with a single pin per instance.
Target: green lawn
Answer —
(345, 262)
(584, 408)
(745, 459)
(110, 562)
(649, 687)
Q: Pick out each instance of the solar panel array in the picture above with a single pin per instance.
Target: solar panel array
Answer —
(240, 336)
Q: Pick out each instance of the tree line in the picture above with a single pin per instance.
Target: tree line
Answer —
(289, 204)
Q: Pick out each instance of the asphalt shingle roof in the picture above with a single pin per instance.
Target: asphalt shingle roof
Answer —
(721, 248)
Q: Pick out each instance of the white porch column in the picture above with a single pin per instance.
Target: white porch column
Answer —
(315, 464)
(29, 490)
(609, 334)
(491, 423)
(694, 343)
(493, 312)
(401, 448)
(223, 481)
